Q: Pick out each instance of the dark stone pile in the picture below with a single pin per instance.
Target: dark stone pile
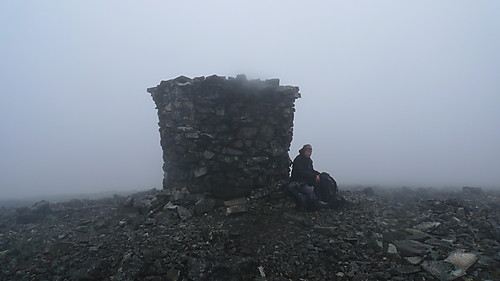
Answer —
(225, 136)
(401, 235)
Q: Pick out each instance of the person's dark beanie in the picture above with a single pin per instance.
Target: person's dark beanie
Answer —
(306, 147)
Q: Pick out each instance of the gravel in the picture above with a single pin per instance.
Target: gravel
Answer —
(382, 234)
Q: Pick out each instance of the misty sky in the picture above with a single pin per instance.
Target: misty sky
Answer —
(393, 93)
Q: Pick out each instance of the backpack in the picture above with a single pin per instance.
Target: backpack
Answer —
(327, 188)
(327, 191)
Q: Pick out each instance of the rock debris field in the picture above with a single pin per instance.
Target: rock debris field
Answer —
(382, 234)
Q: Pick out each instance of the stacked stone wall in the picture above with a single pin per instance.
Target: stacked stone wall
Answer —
(224, 136)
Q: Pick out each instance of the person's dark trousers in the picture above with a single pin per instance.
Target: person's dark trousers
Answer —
(312, 202)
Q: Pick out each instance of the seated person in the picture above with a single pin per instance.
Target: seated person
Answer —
(303, 171)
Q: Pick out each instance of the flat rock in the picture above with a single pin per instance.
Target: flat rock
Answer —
(170, 206)
(200, 172)
(414, 260)
(327, 230)
(392, 250)
(237, 209)
(412, 248)
(204, 205)
(184, 214)
(443, 270)
(462, 260)
(236, 201)
(428, 226)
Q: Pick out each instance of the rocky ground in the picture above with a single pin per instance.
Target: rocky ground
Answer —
(401, 234)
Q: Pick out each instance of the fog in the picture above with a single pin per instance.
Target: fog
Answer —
(393, 93)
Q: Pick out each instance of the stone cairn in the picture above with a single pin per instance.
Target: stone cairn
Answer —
(224, 136)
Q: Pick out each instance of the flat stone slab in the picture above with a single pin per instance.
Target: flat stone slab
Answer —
(428, 226)
(419, 237)
(170, 206)
(200, 172)
(453, 267)
(237, 209)
(414, 260)
(443, 270)
(236, 201)
(392, 250)
(204, 205)
(327, 230)
(184, 214)
(412, 247)
(462, 260)
(416, 234)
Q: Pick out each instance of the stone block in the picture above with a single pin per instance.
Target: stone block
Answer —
(204, 205)
(237, 209)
